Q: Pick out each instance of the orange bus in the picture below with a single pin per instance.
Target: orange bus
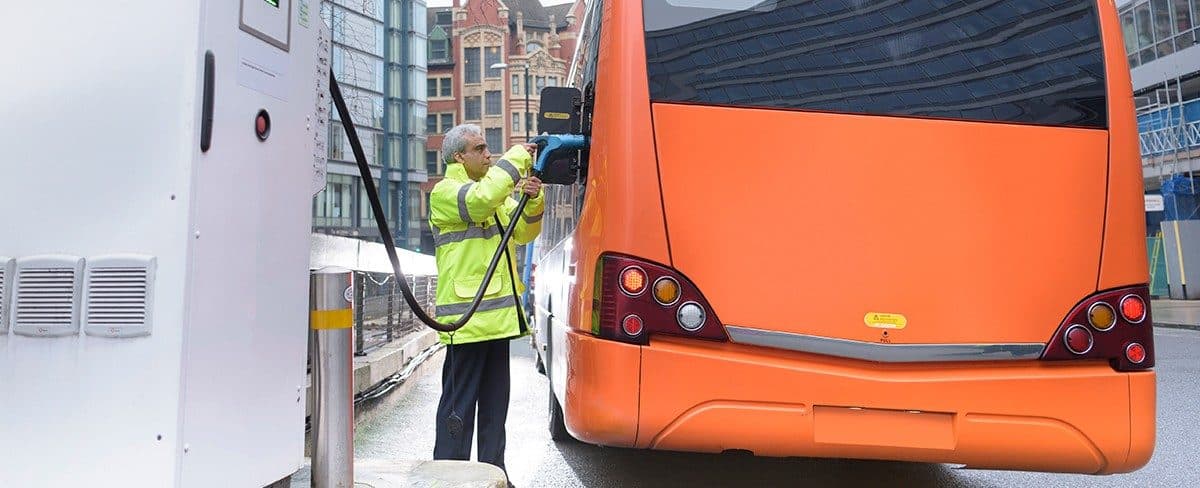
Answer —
(903, 230)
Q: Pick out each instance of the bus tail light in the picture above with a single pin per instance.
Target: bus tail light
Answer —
(1094, 330)
(1133, 309)
(622, 312)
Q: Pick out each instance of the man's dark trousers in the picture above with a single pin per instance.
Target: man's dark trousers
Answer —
(474, 373)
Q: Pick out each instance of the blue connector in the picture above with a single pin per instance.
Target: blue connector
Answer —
(553, 143)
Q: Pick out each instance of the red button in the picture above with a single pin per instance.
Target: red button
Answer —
(262, 125)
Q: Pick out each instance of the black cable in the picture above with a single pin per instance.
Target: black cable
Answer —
(390, 245)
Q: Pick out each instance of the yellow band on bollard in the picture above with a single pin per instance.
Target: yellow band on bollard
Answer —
(330, 319)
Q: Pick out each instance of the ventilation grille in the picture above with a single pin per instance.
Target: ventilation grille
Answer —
(117, 297)
(45, 299)
(4, 290)
(119, 292)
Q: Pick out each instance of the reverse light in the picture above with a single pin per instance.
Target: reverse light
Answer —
(1101, 316)
(633, 281)
(690, 316)
(1133, 309)
(1094, 330)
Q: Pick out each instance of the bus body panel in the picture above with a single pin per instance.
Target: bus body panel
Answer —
(622, 210)
(708, 397)
(1124, 256)
(977, 233)
(603, 380)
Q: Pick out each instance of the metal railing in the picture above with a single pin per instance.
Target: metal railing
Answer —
(1168, 139)
(380, 313)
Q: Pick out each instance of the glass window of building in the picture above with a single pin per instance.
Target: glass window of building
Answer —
(431, 123)
(541, 83)
(516, 122)
(447, 121)
(1183, 24)
(445, 90)
(1129, 31)
(473, 108)
(431, 162)
(332, 207)
(495, 140)
(1163, 27)
(516, 83)
(491, 56)
(431, 87)
(493, 101)
(438, 49)
(471, 70)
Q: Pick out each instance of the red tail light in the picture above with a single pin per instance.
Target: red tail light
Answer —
(623, 312)
(1133, 308)
(1126, 340)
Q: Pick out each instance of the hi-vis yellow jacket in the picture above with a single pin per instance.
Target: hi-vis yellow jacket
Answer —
(463, 216)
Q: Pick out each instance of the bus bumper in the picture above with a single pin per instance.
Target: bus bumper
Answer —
(701, 396)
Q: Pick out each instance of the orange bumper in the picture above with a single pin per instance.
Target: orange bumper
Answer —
(697, 396)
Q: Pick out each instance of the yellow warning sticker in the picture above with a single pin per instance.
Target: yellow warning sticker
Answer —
(885, 320)
(557, 115)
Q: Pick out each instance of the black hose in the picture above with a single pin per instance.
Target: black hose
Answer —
(390, 245)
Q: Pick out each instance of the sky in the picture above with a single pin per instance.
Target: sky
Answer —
(446, 3)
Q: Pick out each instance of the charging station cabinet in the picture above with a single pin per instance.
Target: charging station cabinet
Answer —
(160, 163)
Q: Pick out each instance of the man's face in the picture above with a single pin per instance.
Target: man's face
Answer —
(476, 159)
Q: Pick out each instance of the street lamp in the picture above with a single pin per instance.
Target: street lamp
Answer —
(528, 119)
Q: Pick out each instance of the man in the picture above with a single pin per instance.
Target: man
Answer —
(467, 212)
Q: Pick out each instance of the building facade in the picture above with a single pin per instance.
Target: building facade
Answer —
(379, 58)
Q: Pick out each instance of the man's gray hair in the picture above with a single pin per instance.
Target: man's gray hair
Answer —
(456, 140)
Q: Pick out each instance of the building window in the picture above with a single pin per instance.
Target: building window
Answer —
(443, 18)
(437, 87)
(529, 121)
(332, 207)
(493, 101)
(495, 140)
(336, 135)
(553, 81)
(447, 121)
(491, 56)
(431, 126)
(516, 122)
(438, 49)
(471, 69)
(516, 86)
(431, 162)
(380, 158)
(541, 83)
(473, 108)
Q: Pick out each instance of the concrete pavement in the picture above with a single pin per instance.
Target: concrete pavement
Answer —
(1180, 314)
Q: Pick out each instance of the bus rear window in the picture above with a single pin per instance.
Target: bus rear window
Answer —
(1018, 61)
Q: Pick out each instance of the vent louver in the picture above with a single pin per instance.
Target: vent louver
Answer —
(47, 296)
(6, 272)
(119, 296)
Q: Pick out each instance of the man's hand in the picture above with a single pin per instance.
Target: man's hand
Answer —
(530, 186)
(531, 148)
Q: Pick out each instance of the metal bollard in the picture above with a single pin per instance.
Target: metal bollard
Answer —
(331, 319)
